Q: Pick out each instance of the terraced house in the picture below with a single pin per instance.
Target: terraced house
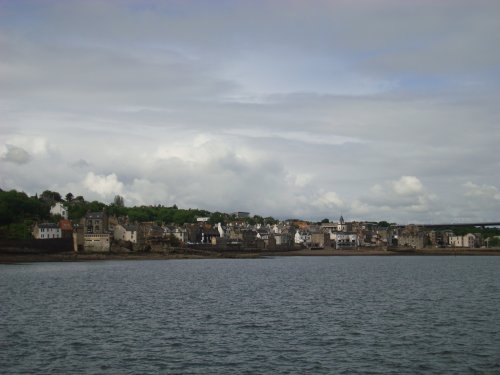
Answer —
(45, 231)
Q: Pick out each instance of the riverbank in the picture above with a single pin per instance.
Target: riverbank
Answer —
(391, 252)
(29, 257)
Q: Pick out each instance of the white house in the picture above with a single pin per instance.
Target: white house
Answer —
(220, 229)
(125, 233)
(45, 231)
(302, 237)
(181, 234)
(468, 240)
(343, 240)
(298, 238)
(59, 209)
(263, 234)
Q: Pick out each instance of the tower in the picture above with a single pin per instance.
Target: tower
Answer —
(341, 226)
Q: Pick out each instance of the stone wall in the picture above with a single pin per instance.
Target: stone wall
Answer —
(97, 242)
(52, 245)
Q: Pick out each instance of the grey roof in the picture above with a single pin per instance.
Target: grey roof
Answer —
(94, 215)
(48, 225)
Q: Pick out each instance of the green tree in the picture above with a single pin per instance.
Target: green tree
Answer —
(119, 201)
(69, 197)
(139, 214)
(17, 213)
(17, 206)
(184, 216)
(494, 242)
(270, 220)
(258, 219)
(117, 210)
(79, 199)
(217, 217)
(51, 196)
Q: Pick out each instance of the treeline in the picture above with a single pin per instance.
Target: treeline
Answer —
(18, 212)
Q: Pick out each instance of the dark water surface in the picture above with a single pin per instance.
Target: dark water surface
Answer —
(303, 315)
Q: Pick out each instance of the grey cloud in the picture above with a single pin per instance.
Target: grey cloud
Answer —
(276, 107)
(16, 155)
(81, 163)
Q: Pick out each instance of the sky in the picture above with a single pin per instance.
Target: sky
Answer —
(374, 110)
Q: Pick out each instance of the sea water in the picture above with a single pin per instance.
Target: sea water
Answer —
(283, 315)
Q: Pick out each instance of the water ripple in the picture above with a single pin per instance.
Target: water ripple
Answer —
(421, 315)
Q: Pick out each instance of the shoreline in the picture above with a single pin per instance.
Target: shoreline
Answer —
(30, 257)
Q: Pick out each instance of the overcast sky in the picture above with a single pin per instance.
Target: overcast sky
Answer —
(377, 110)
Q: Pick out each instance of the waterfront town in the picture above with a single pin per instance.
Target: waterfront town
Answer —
(101, 232)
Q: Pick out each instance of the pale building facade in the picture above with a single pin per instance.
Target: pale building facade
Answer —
(45, 231)
(126, 233)
(59, 209)
(468, 240)
(346, 240)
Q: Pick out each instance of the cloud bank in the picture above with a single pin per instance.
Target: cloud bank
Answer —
(377, 110)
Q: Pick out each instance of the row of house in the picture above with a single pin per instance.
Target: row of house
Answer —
(45, 231)
(96, 232)
(413, 236)
(90, 234)
(238, 233)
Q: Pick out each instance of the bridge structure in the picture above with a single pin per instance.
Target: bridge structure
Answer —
(449, 225)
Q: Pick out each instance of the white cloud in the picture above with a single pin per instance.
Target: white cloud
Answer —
(17, 155)
(144, 192)
(36, 146)
(295, 136)
(482, 191)
(329, 200)
(300, 180)
(407, 185)
(365, 107)
(106, 186)
(401, 198)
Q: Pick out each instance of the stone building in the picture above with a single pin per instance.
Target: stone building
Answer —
(320, 240)
(96, 236)
(96, 223)
(413, 240)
